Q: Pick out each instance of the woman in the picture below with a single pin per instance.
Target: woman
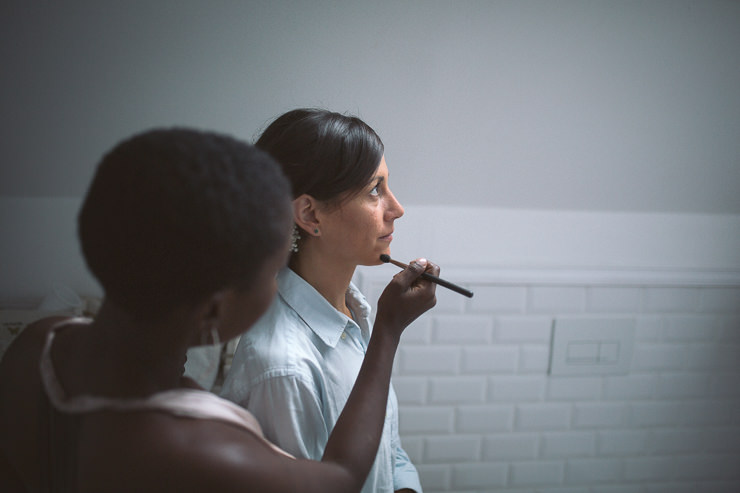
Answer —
(295, 369)
(185, 232)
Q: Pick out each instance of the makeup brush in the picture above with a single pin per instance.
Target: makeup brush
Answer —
(437, 280)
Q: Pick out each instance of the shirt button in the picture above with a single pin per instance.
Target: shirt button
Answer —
(344, 335)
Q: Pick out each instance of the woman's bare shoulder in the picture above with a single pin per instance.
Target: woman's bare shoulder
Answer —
(20, 387)
(19, 369)
(30, 341)
(171, 453)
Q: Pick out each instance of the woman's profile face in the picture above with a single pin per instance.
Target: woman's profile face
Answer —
(361, 229)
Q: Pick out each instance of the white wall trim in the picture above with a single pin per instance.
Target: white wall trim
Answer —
(466, 276)
(527, 239)
(475, 246)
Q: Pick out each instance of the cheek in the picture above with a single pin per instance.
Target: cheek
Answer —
(265, 297)
(372, 220)
(252, 312)
(254, 305)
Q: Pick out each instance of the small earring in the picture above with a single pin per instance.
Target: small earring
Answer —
(213, 333)
(315, 231)
(294, 237)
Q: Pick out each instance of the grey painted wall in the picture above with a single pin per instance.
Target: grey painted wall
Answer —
(579, 105)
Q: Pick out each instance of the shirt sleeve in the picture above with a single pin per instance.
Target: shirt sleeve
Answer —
(289, 412)
(405, 474)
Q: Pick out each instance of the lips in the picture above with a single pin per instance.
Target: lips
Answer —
(387, 237)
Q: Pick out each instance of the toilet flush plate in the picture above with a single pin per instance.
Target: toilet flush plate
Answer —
(591, 346)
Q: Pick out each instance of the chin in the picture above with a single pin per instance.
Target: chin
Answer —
(375, 258)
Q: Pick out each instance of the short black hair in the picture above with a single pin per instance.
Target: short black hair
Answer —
(174, 215)
(324, 154)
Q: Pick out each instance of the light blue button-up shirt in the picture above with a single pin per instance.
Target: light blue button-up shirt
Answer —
(295, 368)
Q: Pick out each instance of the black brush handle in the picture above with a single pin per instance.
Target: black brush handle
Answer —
(430, 277)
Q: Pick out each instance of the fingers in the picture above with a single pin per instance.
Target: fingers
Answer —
(408, 295)
(411, 273)
(432, 269)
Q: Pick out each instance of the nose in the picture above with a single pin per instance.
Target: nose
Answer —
(395, 209)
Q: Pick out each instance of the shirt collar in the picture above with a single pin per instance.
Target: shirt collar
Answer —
(322, 318)
(357, 302)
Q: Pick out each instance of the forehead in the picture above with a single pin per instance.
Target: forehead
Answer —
(382, 168)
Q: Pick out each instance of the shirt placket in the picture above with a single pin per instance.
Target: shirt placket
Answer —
(352, 332)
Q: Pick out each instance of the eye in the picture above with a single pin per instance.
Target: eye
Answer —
(375, 191)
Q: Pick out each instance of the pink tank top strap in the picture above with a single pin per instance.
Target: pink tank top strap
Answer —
(181, 402)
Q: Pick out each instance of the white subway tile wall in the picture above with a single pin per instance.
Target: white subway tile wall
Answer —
(479, 412)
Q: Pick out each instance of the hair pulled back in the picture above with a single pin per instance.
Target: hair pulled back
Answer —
(324, 154)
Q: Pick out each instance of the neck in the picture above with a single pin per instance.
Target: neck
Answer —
(330, 278)
(136, 357)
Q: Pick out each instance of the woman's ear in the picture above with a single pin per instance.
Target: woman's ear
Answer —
(304, 214)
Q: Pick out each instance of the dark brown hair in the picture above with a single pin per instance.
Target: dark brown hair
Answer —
(173, 215)
(324, 154)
